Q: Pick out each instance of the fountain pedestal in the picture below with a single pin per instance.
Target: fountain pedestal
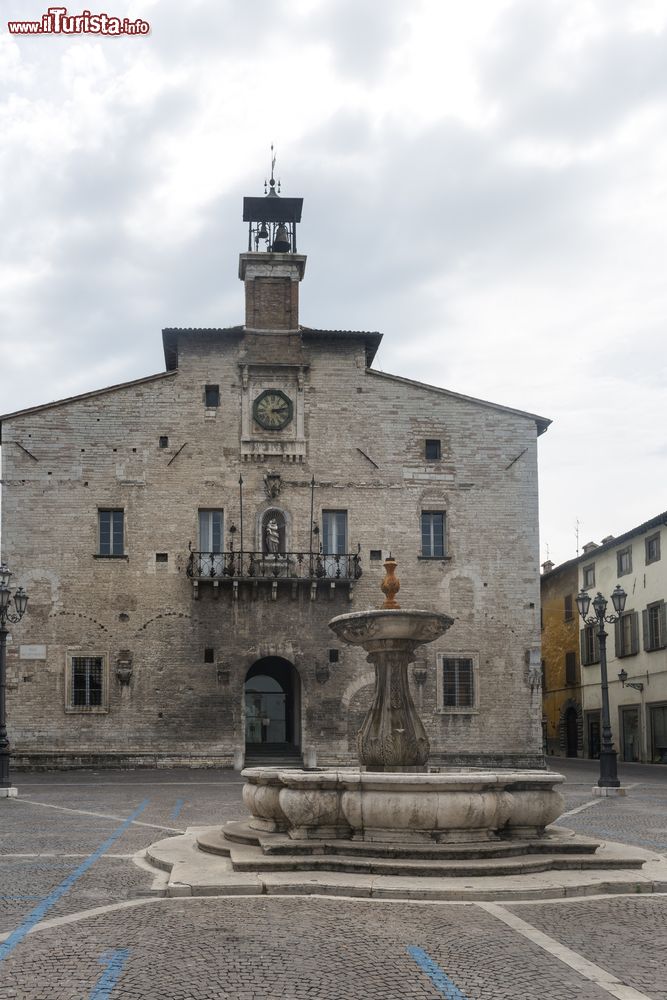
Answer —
(392, 737)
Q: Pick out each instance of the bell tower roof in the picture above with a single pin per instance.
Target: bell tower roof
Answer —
(272, 220)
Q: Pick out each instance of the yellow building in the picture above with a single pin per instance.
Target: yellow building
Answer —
(561, 672)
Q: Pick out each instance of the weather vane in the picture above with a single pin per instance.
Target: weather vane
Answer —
(272, 182)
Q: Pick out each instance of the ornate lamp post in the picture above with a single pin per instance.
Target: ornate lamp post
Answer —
(20, 601)
(608, 775)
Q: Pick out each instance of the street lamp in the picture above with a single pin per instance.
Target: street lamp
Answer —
(608, 775)
(623, 678)
(20, 601)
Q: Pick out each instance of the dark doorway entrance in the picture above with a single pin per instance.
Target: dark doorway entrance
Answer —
(272, 702)
(571, 732)
(593, 730)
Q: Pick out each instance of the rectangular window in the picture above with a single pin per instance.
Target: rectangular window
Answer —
(210, 530)
(589, 576)
(652, 544)
(567, 608)
(334, 532)
(376, 555)
(654, 626)
(571, 668)
(209, 654)
(432, 450)
(111, 532)
(433, 534)
(626, 634)
(458, 690)
(212, 395)
(590, 646)
(163, 442)
(86, 684)
(624, 561)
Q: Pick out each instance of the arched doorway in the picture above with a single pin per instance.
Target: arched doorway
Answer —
(272, 706)
(571, 729)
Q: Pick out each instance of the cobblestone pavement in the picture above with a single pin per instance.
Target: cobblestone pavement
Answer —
(110, 940)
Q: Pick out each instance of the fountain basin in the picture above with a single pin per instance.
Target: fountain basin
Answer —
(369, 628)
(456, 807)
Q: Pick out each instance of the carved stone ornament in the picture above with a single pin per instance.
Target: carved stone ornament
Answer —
(273, 484)
(420, 673)
(322, 673)
(124, 667)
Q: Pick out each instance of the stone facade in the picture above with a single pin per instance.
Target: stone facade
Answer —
(563, 717)
(637, 708)
(171, 645)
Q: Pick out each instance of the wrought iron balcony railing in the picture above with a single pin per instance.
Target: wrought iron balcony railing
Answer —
(295, 566)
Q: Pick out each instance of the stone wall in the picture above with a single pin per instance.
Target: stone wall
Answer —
(364, 439)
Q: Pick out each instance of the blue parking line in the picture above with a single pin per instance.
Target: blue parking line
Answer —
(177, 808)
(114, 961)
(441, 982)
(7, 947)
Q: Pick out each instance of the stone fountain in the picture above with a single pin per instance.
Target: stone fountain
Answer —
(354, 830)
(391, 797)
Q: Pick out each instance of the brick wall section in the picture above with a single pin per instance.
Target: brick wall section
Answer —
(103, 452)
(272, 304)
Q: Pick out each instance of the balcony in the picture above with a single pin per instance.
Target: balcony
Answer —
(316, 570)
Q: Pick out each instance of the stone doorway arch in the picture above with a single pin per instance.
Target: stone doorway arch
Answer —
(272, 698)
(571, 729)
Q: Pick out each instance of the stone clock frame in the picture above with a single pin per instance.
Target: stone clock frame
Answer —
(288, 443)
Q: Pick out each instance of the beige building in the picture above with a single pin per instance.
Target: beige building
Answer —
(636, 646)
(186, 537)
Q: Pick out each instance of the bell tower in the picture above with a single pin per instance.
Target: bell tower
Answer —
(272, 269)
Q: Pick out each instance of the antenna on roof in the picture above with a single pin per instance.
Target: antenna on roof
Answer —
(576, 533)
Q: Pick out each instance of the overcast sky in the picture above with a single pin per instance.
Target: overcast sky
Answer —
(487, 181)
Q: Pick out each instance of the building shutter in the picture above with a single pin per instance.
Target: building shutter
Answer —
(596, 646)
(635, 633)
(582, 640)
(647, 641)
(662, 638)
(618, 639)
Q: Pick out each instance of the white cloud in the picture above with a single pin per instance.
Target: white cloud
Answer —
(486, 181)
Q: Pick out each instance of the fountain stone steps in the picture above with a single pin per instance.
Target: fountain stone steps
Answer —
(527, 857)
(553, 842)
(252, 859)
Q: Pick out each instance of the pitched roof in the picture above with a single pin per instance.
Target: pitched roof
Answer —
(591, 555)
(83, 395)
(171, 334)
(542, 422)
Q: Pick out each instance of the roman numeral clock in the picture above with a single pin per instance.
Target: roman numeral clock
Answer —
(272, 411)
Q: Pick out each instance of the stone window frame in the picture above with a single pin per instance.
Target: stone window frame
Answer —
(588, 576)
(70, 707)
(624, 561)
(652, 548)
(112, 533)
(458, 654)
(211, 396)
(431, 512)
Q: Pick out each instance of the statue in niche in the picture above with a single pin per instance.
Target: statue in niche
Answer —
(272, 536)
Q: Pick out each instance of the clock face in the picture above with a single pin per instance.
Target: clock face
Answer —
(272, 409)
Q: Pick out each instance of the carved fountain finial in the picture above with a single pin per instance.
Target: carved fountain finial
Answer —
(390, 585)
